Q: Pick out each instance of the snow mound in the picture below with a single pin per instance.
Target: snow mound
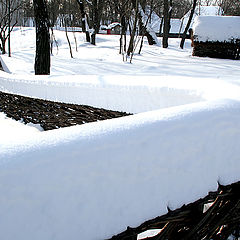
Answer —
(96, 179)
(216, 28)
(134, 95)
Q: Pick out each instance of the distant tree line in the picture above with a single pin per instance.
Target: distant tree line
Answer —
(107, 11)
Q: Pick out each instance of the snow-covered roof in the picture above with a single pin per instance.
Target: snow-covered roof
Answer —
(216, 28)
(113, 25)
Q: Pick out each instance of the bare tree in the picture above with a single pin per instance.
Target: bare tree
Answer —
(167, 18)
(8, 19)
(42, 58)
(208, 2)
(122, 7)
(230, 7)
(188, 24)
(53, 7)
(85, 27)
(95, 8)
(180, 8)
(66, 20)
(144, 26)
(27, 12)
(133, 33)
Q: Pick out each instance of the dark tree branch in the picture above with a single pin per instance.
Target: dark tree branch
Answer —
(188, 24)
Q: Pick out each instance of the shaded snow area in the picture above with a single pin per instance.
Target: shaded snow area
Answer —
(216, 28)
(116, 173)
(92, 181)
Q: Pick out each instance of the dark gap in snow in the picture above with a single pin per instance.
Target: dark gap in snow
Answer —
(220, 221)
(52, 115)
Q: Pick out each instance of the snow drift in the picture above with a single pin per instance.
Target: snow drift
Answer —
(118, 92)
(94, 180)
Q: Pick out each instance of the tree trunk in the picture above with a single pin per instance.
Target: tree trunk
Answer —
(69, 43)
(161, 25)
(93, 37)
(123, 35)
(42, 58)
(3, 45)
(131, 42)
(166, 24)
(170, 15)
(9, 28)
(85, 27)
(188, 24)
(97, 9)
(3, 42)
(95, 21)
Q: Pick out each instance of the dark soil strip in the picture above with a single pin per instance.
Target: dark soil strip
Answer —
(52, 115)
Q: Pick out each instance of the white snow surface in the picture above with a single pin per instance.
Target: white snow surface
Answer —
(11, 129)
(94, 180)
(116, 173)
(216, 28)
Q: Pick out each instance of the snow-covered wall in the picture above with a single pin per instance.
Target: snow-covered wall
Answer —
(216, 28)
(118, 92)
(135, 94)
(92, 181)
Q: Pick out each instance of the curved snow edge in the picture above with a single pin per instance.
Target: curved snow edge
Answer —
(96, 179)
(123, 93)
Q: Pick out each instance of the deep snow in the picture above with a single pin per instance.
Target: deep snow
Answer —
(216, 28)
(108, 175)
(116, 173)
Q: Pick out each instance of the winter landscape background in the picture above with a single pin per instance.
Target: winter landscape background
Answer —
(96, 179)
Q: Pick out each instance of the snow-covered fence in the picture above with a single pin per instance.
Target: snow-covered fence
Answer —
(121, 94)
(216, 36)
(94, 180)
(215, 216)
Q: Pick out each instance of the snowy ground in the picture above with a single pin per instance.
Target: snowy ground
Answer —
(105, 176)
(104, 59)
